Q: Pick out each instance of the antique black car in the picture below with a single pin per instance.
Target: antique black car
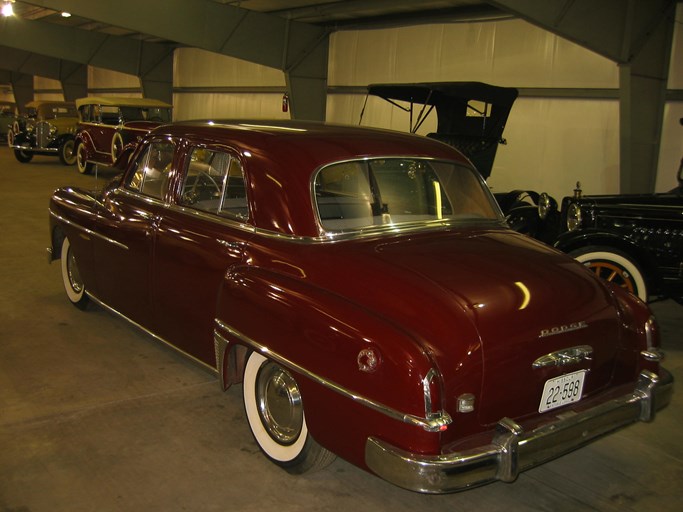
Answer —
(471, 116)
(633, 240)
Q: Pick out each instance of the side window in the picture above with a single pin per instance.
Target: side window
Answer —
(152, 170)
(214, 183)
(110, 115)
(84, 113)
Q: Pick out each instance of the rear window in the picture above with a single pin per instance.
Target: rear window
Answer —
(393, 191)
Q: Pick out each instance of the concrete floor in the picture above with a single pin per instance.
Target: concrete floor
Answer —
(97, 416)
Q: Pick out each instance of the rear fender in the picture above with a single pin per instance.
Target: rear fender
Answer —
(321, 339)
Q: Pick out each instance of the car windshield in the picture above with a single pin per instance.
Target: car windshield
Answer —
(54, 111)
(390, 191)
(160, 114)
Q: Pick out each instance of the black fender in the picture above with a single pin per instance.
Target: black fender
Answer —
(573, 240)
(20, 138)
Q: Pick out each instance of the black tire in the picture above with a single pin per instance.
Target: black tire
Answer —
(67, 153)
(615, 266)
(71, 277)
(275, 413)
(84, 167)
(23, 156)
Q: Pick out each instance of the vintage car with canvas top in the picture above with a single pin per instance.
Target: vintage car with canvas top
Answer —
(107, 124)
(633, 240)
(363, 287)
(47, 129)
(471, 117)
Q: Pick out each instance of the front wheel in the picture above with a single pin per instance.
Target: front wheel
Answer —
(23, 156)
(71, 277)
(67, 153)
(274, 408)
(84, 167)
(614, 266)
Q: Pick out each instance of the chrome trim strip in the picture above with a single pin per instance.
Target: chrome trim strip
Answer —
(88, 231)
(652, 354)
(649, 328)
(150, 333)
(512, 449)
(431, 424)
(34, 149)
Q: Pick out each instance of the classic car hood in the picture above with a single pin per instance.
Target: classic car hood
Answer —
(486, 304)
(625, 201)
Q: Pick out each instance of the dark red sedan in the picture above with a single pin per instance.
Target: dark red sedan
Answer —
(364, 288)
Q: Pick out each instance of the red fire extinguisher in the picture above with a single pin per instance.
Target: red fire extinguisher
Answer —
(285, 102)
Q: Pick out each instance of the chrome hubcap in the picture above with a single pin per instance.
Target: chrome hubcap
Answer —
(74, 275)
(279, 403)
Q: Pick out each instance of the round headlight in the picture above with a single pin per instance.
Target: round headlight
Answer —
(29, 128)
(573, 217)
(546, 204)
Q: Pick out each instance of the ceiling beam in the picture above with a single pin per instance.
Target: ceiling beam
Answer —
(72, 75)
(616, 29)
(151, 62)
(298, 49)
(635, 34)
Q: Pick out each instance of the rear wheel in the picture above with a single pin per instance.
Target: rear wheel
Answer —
(116, 147)
(614, 266)
(71, 277)
(274, 408)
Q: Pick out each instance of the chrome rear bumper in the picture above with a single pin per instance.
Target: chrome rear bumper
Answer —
(512, 450)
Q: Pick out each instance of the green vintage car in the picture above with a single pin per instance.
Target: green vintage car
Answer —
(48, 129)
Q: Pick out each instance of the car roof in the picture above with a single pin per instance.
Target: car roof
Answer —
(39, 103)
(281, 156)
(121, 102)
(315, 142)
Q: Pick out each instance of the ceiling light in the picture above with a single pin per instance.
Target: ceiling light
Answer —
(66, 15)
(7, 9)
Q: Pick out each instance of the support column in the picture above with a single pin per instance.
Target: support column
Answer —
(22, 87)
(642, 97)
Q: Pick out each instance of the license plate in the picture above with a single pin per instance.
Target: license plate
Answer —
(562, 391)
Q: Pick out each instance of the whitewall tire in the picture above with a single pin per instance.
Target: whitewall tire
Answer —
(274, 409)
(614, 266)
(71, 277)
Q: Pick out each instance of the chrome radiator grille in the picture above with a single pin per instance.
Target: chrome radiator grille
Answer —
(42, 134)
